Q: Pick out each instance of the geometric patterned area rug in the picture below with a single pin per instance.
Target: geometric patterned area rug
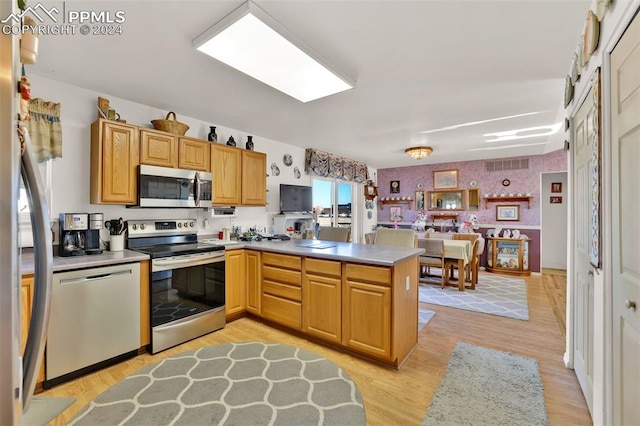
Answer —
(231, 384)
(487, 387)
(424, 316)
(494, 294)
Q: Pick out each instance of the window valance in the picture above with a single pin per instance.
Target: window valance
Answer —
(329, 165)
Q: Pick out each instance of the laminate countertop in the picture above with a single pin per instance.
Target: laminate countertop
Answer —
(82, 262)
(350, 252)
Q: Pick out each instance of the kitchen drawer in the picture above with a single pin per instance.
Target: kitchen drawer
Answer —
(282, 275)
(373, 274)
(282, 311)
(322, 267)
(282, 260)
(282, 290)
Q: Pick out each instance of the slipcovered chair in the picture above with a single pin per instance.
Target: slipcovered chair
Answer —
(329, 233)
(433, 256)
(370, 238)
(470, 270)
(396, 237)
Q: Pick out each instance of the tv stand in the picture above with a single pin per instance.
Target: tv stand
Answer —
(282, 221)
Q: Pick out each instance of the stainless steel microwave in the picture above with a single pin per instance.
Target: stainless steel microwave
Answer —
(168, 187)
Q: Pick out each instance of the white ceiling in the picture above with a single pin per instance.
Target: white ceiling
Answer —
(418, 65)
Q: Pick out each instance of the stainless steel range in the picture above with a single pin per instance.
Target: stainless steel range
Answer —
(187, 282)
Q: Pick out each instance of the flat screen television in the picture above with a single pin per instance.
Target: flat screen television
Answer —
(295, 198)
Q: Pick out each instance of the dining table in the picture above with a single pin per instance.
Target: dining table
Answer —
(455, 249)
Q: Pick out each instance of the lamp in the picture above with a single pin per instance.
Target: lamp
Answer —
(251, 41)
(418, 152)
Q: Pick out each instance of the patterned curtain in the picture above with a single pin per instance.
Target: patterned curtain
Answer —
(329, 165)
(45, 129)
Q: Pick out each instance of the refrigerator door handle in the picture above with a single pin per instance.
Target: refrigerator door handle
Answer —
(43, 269)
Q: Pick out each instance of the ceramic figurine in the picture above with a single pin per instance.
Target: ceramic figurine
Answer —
(231, 142)
(212, 136)
(506, 234)
(249, 144)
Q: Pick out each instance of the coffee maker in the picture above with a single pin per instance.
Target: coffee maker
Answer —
(80, 233)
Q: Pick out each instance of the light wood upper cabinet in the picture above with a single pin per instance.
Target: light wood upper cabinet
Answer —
(235, 298)
(226, 169)
(254, 178)
(158, 148)
(114, 161)
(194, 154)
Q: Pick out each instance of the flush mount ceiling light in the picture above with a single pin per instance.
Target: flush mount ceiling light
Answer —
(251, 41)
(418, 152)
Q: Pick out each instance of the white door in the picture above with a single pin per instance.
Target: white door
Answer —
(583, 272)
(625, 141)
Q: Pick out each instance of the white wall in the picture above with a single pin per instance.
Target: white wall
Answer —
(554, 222)
(70, 174)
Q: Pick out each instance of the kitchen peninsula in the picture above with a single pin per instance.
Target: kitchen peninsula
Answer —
(358, 297)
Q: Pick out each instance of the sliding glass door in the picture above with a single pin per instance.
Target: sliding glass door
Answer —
(333, 203)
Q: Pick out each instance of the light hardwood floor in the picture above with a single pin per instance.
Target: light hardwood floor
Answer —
(400, 397)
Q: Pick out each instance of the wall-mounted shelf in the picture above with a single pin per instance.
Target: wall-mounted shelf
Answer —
(383, 202)
(516, 199)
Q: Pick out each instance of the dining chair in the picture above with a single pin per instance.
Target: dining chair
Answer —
(433, 256)
(331, 233)
(470, 270)
(470, 237)
(396, 237)
(370, 238)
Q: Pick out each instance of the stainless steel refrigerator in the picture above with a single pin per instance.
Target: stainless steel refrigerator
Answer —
(18, 371)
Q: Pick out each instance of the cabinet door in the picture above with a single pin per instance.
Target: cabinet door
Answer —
(194, 154)
(114, 162)
(322, 307)
(226, 174)
(366, 318)
(158, 148)
(145, 304)
(254, 178)
(234, 282)
(26, 302)
(254, 282)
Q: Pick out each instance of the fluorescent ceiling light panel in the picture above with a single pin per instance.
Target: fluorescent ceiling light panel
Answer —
(530, 132)
(251, 41)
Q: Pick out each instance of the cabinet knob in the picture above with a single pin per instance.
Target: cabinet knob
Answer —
(630, 304)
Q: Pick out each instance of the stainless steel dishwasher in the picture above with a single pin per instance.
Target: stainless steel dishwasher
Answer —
(94, 320)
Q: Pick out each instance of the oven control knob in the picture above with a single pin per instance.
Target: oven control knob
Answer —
(191, 224)
(179, 225)
(185, 224)
(134, 226)
(142, 226)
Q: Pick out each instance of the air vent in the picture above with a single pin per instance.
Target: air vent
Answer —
(500, 165)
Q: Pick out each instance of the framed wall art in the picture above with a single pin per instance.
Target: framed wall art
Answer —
(508, 212)
(555, 200)
(445, 179)
(420, 200)
(395, 213)
(556, 187)
(394, 186)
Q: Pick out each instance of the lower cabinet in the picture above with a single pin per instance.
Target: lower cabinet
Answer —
(235, 300)
(253, 281)
(282, 289)
(321, 291)
(366, 310)
(26, 301)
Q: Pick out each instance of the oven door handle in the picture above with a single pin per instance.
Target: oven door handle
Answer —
(198, 189)
(174, 263)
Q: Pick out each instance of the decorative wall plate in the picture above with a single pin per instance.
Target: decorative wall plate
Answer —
(591, 35)
(568, 91)
(473, 184)
(575, 76)
(275, 170)
(287, 160)
(296, 172)
(369, 214)
(506, 182)
(420, 186)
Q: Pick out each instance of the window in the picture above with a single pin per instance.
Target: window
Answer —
(333, 204)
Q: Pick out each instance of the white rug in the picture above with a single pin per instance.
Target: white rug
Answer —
(494, 294)
(424, 316)
(487, 387)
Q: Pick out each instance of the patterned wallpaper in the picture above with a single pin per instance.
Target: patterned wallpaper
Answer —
(523, 180)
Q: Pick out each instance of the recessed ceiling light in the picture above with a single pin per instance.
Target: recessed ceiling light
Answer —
(251, 41)
(473, 123)
(529, 132)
